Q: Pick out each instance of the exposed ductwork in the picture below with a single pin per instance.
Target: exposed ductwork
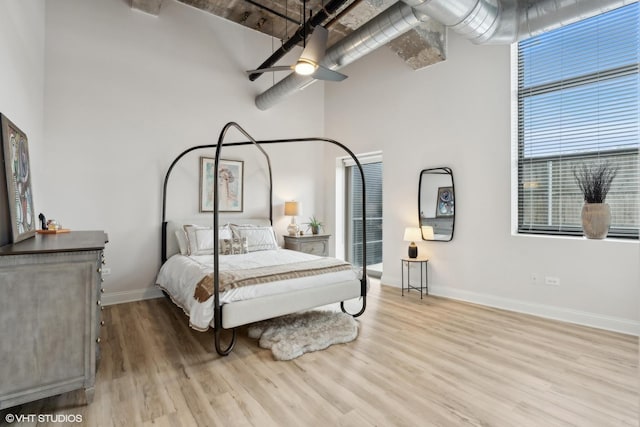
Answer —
(481, 21)
(473, 19)
(507, 21)
(394, 21)
(550, 14)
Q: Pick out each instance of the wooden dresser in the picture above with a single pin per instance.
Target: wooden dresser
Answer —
(50, 287)
(315, 244)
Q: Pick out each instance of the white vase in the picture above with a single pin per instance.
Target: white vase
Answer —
(596, 219)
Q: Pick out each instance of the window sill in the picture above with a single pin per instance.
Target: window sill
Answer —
(575, 238)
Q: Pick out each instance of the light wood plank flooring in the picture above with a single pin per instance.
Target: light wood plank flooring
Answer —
(434, 362)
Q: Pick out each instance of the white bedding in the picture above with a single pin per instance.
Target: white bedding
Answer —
(180, 274)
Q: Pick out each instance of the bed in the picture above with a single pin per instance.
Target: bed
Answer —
(228, 275)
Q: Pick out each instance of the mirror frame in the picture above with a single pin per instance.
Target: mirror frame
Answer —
(443, 171)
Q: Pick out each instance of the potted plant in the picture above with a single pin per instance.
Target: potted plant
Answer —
(315, 225)
(595, 182)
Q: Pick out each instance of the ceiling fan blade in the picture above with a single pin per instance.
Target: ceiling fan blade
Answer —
(266, 70)
(316, 46)
(323, 73)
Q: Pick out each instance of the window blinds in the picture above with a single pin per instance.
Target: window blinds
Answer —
(373, 178)
(578, 91)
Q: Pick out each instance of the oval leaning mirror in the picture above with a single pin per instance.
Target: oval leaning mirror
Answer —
(436, 204)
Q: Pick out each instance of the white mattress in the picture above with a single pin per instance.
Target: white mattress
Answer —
(180, 274)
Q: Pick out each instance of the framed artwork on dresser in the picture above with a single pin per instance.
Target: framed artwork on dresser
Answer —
(15, 151)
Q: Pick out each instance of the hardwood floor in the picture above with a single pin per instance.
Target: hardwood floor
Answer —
(434, 362)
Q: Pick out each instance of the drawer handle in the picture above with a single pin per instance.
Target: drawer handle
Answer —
(101, 279)
(99, 270)
(98, 340)
(102, 290)
(101, 307)
(99, 303)
(102, 323)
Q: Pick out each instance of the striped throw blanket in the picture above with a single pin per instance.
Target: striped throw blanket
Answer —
(253, 276)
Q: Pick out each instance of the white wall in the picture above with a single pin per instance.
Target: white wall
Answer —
(22, 78)
(126, 92)
(457, 114)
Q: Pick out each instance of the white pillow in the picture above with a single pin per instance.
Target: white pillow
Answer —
(200, 239)
(259, 238)
(181, 237)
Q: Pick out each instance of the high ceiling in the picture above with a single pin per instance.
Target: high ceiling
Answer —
(414, 29)
(422, 46)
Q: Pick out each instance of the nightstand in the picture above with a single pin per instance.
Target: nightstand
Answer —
(315, 244)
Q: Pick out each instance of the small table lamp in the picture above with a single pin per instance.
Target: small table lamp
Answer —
(411, 234)
(292, 209)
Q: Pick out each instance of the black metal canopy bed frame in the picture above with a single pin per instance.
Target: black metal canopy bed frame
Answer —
(218, 308)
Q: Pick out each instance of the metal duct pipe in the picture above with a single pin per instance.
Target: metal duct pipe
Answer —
(396, 20)
(504, 21)
(389, 24)
(476, 20)
(550, 14)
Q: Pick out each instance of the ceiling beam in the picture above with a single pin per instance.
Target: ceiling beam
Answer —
(152, 7)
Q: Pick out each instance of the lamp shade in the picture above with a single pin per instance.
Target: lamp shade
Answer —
(291, 208)
(411, 234)
(427, 232)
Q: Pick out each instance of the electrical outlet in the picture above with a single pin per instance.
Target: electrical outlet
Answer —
(106, 271)
(534, 279)
(553, 281)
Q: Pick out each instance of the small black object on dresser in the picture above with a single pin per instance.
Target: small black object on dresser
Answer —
(43, 222)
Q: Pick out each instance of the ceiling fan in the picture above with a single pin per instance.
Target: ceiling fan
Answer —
(308, 64)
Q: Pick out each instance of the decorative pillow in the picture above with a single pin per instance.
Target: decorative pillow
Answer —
(259, 238)
(181, 237)
(233, 246)
(200, 239)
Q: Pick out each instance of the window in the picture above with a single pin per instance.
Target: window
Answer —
(372, 168)
(578, 90)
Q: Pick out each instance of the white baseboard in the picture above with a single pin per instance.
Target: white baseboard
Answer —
(610, 323)
(584, 318)
(121, 297)
(385, 279)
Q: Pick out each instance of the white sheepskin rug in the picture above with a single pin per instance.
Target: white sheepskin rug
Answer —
(293, 335)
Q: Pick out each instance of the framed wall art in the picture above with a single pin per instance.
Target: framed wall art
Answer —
(444, 204)
(15, 150)
(230, 185)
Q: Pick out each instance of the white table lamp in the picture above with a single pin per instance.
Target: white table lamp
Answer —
(411, 234)
(292, 209)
